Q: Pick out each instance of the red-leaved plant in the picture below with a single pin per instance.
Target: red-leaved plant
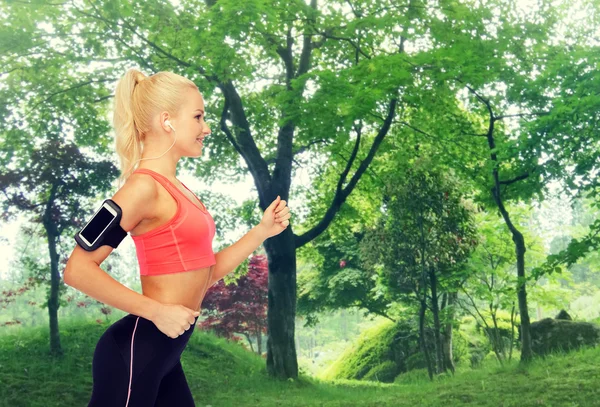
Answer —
(239, 308)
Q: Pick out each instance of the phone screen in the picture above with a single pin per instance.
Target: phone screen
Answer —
(97, 225)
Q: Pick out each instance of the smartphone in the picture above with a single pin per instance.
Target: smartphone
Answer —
(102, 219)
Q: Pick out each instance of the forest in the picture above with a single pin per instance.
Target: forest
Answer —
(439, 158)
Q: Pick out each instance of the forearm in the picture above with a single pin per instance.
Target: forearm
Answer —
(90, 279)
(232, 256)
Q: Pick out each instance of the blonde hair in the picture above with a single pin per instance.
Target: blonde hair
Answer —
(137, 99)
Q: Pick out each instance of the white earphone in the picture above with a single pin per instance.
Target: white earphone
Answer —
(168, 123)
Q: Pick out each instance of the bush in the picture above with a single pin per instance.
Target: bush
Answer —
(460, 345)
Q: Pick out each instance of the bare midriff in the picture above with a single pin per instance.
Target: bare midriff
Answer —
(187, 288)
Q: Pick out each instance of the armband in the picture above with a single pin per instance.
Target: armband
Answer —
(103, 228)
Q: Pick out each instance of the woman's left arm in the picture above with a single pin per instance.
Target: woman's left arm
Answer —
(274, 221)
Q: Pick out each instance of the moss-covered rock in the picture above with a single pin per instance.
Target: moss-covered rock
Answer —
(563, 315)
(389, 341)
(396, 342)
(416, 361)
(384, 372)
(549, 335)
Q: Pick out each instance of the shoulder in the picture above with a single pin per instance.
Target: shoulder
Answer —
(143, 183)
(136, 198)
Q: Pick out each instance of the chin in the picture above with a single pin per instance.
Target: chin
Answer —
(195, 153)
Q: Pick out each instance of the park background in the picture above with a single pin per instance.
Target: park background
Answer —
(440, 160)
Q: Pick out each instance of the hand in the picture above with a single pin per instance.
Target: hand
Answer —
(275, 218)
(174, 319)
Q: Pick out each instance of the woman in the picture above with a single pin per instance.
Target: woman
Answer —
(137, 360)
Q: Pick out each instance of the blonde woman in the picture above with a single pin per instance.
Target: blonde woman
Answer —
(136, 362)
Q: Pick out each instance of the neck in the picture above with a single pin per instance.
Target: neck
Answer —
(164, 170)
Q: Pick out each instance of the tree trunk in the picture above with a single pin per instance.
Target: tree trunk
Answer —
(53, 303)
(517, 237)
(249, 339)
(512, 330)
(439, 365)
(497, 335)
(447, 337)
(423, 339)
(259, 341)
(282, 361)
(526, 351)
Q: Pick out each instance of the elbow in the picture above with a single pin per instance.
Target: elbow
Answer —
(68, 276)
(73, 271)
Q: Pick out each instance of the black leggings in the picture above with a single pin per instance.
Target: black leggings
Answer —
(149, 376)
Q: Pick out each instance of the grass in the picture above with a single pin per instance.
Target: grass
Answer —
(221, 373)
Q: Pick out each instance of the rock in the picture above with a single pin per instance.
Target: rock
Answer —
(563, 315)
(550, 335)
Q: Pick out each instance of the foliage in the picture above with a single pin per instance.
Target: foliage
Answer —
(239, 307)
(426, 226)
(335, 279)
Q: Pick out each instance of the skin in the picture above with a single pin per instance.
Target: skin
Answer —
(189, 124)
(188, 288)
(170, 301)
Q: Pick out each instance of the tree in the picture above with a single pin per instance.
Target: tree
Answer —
(428, 234)
(219, 45)
(490, 287)
(408, 259)
(240, 307)
(44, 184)
(345, 70)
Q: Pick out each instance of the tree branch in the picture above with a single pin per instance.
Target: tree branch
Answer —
(226, 129)
(79, 85)
(244, 141)
(304, 63)
(342, 193)
(300, 150)
(511, 181)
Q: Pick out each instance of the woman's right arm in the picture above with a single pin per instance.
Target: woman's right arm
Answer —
(83, 271)
(90, 279)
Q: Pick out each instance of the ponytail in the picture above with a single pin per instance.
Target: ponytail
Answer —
(137, 99)
(127, 137)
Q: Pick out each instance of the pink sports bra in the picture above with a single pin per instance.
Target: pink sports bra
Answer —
(183, 243)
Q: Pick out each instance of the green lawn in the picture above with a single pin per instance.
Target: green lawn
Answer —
(224, 374)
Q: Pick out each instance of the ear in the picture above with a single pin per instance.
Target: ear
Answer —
(164, 119)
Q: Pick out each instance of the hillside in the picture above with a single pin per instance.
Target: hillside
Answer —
(221, 373)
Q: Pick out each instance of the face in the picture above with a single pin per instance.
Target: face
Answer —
(190, 125)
